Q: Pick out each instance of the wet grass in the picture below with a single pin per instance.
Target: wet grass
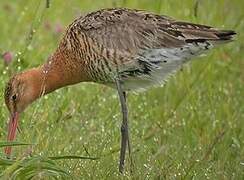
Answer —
(192, 128)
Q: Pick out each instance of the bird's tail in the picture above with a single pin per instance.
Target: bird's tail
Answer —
(213, 36)
(224, 36)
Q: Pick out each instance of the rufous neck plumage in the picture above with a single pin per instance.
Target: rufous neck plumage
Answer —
(57, 72)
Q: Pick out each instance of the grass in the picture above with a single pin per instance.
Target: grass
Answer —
(192, 128)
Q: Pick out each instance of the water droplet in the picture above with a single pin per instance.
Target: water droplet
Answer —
(19, 68)
(29, 48)
(145, 165)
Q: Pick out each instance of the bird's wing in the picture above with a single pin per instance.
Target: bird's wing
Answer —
(128, 30)
(134, 30)
(145, 44)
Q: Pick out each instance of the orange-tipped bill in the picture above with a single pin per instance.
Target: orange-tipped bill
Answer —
(12, 127)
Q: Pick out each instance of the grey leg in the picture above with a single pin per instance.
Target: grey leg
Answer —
(124, 127)
(128, 140)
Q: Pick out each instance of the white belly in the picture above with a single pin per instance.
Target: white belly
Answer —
(153, 67)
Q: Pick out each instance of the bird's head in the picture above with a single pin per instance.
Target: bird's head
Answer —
(20, 91)
(17, 94)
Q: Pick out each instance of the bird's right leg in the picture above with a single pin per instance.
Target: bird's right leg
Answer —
(124, 127)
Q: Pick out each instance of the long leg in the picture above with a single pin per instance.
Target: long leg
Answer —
(128, 140)
(124, 127)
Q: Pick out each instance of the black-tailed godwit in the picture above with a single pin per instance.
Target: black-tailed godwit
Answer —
(123, 48)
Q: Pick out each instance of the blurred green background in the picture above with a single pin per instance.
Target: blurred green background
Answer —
(192, 128)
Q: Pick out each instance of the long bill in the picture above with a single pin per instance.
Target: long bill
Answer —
(12, 127)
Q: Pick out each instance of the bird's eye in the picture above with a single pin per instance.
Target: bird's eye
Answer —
(14, 97)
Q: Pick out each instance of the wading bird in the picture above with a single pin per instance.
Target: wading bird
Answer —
(123, 48)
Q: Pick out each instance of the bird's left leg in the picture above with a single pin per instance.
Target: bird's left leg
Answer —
(124, 127)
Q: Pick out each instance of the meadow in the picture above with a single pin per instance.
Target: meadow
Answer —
(190, 128)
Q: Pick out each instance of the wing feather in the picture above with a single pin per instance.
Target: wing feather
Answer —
(144, 45)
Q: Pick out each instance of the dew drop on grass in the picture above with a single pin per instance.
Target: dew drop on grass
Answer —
(114, 96)
(183, 122)
(115, 116)
(4, 72)
(206, 175)
(145, 165)
(29, 48)
(19, 67)
(155, 139)
(102, 129)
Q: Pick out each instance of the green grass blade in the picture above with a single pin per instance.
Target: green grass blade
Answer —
(72, 157)
(5, 144)
(6, 162)
(31, 167)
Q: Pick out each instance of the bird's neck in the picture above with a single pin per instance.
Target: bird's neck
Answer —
(56, 73)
